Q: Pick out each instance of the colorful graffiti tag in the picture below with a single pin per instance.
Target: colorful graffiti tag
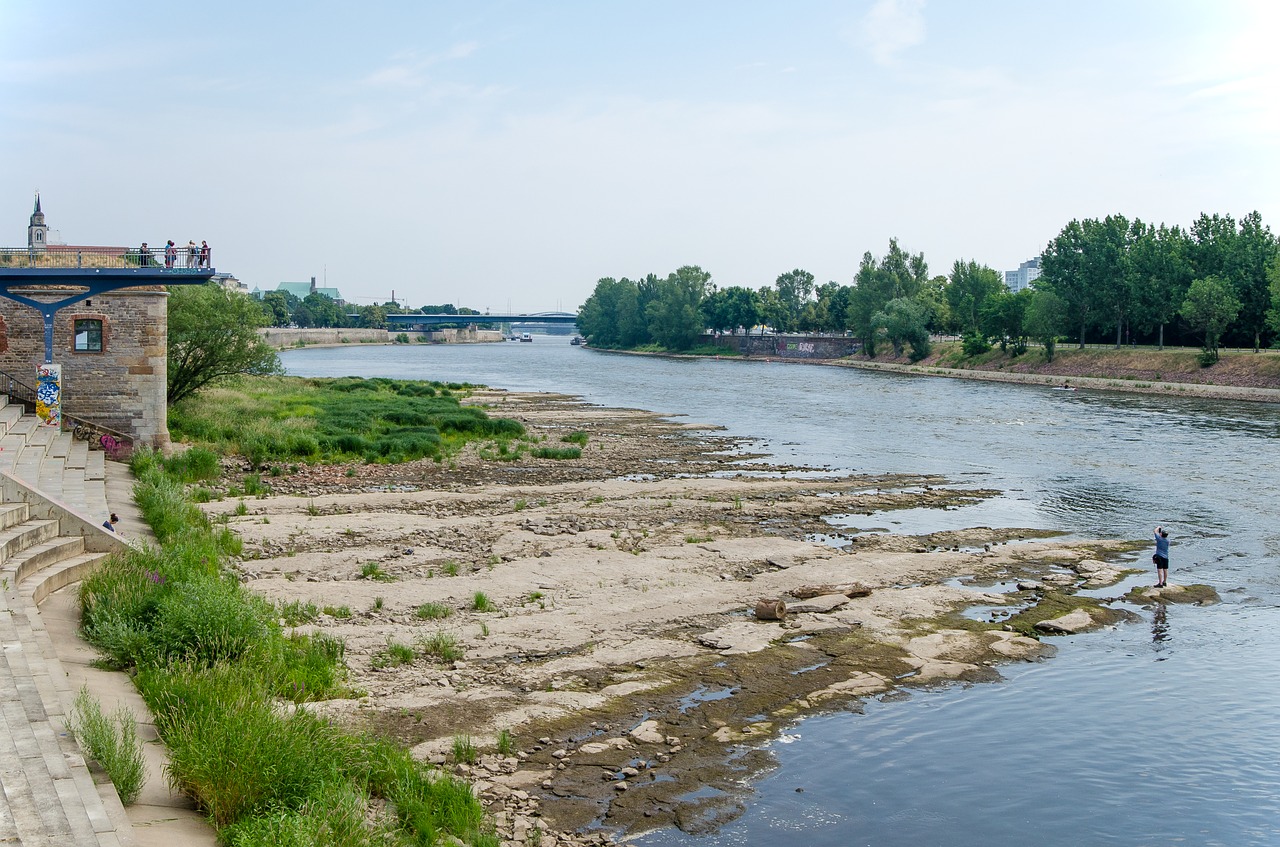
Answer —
(49, 394)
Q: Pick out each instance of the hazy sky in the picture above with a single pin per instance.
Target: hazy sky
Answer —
(508, 154)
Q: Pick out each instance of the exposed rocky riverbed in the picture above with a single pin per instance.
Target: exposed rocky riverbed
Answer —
(622, 653)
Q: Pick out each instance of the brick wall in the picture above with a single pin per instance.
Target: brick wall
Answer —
(124, 386)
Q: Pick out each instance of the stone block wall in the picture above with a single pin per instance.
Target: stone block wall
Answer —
(791, 346)
(124, 387)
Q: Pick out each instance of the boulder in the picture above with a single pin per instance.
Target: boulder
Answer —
(1075, 621)
(821, 604)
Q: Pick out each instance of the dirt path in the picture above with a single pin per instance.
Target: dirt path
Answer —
(620, 652)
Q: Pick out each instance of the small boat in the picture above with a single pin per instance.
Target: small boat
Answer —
(576, 340)
(526, 337)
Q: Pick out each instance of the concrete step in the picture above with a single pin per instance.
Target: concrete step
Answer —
(12, 514)
(95, 466)
(60, 447)
(37, 557)
(77, 455)
(43, 436)
(9, 415)
(16, 539)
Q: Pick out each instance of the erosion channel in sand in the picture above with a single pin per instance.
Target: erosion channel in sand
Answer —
(620, 651)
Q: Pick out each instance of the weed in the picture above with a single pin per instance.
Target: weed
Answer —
(442, 646)
(351, 472)
(697, 539)
(312, 509)
(340, 612)
(241, 509)
(266, 520)
(506, 744)
(374, 571)
(433, 611)
(378, 603)
(393, 655)
(520, 505)
(254, 486)
(481, 603)
(464, 752)
(450, 568)
(579, 438)
(484, 629)
(535, 596)
(113, 741)
(296, 612)
(556, 453)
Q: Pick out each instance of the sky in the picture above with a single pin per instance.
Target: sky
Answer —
(506, 155)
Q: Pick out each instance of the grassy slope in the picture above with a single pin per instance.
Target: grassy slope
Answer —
(1259, 370)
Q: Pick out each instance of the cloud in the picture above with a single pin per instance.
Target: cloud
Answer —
(409, 70)
(891, 27)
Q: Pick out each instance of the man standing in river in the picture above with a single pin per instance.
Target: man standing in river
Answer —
(1161, 557)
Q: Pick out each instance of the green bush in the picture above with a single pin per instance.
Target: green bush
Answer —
(195, 464)
(556, 452)
(210, 621)
(113, 742)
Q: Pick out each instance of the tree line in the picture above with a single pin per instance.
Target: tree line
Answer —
(1218, 280)
(320, 311)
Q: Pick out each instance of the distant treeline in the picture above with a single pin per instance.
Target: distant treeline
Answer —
(1124, 280)
(321, 311)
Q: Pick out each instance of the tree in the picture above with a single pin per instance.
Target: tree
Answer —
(1210, 307)
(213, 334)
(1161, 267)
(795, 288)
(770, 309)
(967, 290)
(675, 314)
(1046, 319)
(1255, 249)
(898, 274)
(905, 321)
(1004, 317)
(1273, 314)
(277, 308)
(730, 308)
(612, 317)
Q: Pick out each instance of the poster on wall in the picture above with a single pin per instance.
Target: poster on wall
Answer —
(49, 395)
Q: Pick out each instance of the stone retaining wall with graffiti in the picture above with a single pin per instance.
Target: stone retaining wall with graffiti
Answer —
(791, 346)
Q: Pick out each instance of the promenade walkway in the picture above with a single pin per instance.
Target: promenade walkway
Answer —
(56, 493)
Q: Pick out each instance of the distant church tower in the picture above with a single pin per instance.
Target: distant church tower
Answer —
(37, 232)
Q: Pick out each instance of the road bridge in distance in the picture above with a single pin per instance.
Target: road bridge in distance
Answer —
(422, 322)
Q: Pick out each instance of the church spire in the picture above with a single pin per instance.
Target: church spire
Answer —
(37, 232)
(37, 211)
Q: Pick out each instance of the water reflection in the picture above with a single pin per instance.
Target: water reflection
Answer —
(1160, 629)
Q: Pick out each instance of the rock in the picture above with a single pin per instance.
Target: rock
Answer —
(1029, 585)
(648, 732)
(821, 604)
(560, 754)
(1076, 621)
(620, 786)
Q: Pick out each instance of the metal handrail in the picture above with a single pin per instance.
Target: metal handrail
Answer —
(55, 256)
(113, 442)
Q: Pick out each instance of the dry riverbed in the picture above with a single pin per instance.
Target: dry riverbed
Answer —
(622, 653)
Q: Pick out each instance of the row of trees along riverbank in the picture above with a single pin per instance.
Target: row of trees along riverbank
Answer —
(1216, 281)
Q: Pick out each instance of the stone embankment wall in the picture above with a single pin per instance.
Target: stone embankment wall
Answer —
(791, 346)
(124, 386)
(286, 338)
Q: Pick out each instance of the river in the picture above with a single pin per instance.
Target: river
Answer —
(1163, 732)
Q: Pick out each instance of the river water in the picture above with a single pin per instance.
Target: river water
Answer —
(1157, 733)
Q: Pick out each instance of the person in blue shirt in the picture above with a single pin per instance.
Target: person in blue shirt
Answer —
(110, 523)
(1161, 557)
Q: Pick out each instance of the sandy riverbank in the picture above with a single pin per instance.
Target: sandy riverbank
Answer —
(622, 653)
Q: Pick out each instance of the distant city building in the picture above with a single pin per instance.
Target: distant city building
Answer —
(230, 283)
(302, 289)
(1027, 272)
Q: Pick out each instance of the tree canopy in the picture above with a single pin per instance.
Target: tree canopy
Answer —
(213, 334)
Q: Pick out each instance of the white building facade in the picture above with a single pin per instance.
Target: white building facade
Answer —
(1027, 272)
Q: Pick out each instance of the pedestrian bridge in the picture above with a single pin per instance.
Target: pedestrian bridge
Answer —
(422, 322)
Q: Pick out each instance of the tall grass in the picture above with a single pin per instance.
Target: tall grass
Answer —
(214, 665)
(274, 419)
(113, 742)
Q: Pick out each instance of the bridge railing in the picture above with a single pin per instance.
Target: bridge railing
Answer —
(56, 256)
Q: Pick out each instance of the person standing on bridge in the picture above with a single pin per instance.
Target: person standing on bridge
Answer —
(170, 254)
(193, 254)
(204, 254)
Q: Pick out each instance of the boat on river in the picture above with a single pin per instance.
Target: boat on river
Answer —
(526, 337)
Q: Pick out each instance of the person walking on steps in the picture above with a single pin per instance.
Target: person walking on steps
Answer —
(110, 523)
(1161, 557)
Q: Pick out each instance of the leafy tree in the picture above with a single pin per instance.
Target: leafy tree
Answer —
(1273, 314)
(1161, 267)
(898, 274)
(1046, 319)
(1255, 249)
(1071, 269)
(1004, 316)
(905, 321)
(795, 288)
(1210, 307)
(968, 288)
(675, 314)
(213, 334)
(372, 317)
(730, 308)
(771, 310)
(831, 306)
(611, 317)
(277, 308)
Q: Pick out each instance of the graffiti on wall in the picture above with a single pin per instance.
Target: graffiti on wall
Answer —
(49, 394)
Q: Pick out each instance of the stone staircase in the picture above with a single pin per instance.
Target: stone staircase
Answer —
(52, 502)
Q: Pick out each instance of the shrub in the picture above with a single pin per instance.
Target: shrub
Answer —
(195, 464)
(442, 646)
(208, 622)
(433, 611)
(579, 438)
(556, 452)
(481, 603)
(393, 655)
(975, 344)
(113, 742)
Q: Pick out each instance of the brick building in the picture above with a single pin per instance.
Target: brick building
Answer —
(113, 346)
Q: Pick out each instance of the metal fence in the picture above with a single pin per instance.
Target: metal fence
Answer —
(175, 259)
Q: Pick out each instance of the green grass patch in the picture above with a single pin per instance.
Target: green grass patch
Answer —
(481, 603)
(213, 662)
(579, 438)
(290, 419)
(442, 646)
(433, 611)
(556, 452)
(394, 655)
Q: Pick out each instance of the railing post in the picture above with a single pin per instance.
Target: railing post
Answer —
(79, 259)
